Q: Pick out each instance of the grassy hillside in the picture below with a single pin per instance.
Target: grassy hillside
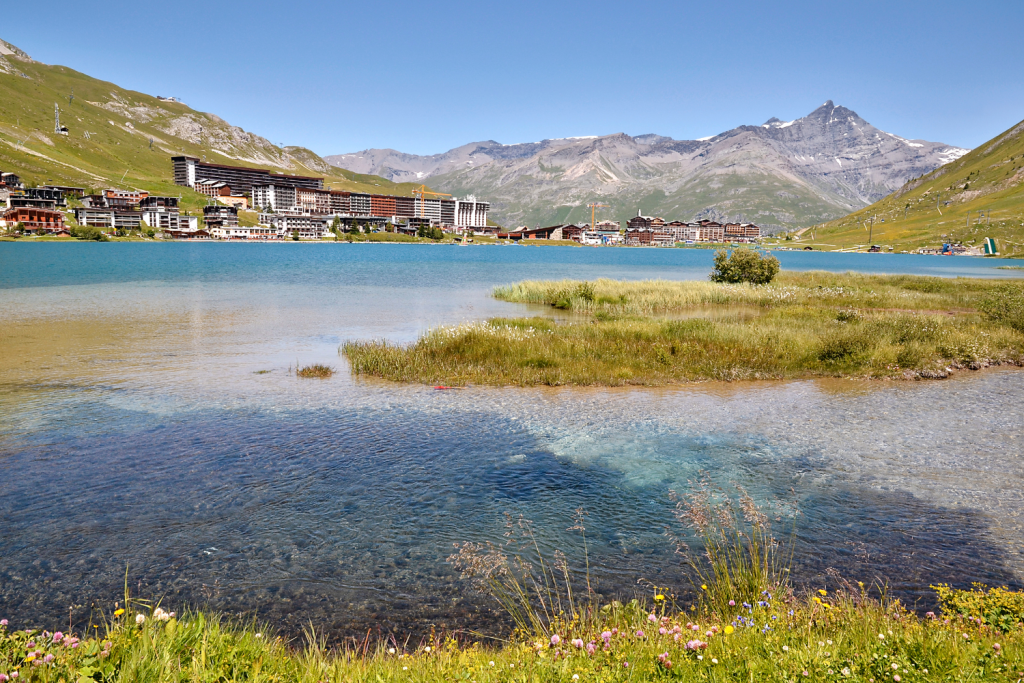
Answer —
(116, 133)
(977, 196)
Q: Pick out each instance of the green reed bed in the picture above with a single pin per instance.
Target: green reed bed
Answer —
(662, 332)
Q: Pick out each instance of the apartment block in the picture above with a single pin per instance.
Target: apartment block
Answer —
(189, 170)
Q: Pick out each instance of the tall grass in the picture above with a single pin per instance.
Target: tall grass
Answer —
(740, 560)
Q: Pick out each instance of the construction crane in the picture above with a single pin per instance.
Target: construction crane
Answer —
(593, 208)
(422, 191)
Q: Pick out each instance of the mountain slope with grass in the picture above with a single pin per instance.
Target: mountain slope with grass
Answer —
(123, 138)
(976, 196)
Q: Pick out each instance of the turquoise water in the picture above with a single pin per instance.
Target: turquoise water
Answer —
(134, 432)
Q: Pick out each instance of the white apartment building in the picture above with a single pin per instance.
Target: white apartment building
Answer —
(278, 198)
(470, 213)
(307, 227)
(238, 232)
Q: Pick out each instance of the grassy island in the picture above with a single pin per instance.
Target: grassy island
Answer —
(813, 324)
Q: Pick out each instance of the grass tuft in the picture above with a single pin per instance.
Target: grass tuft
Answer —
(315, 371)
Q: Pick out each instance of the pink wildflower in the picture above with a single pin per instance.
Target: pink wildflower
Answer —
(676, 637)
(652, 618)
(58, 636)
(556, 639)
(606, 636)
(896, 678)
(662, 630)
(997, 647)
(640, 634)
(591, 647)
(48, 658)
(577, 643)
(3, 622)
(732, 603)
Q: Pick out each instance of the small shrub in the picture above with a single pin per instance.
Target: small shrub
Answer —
(744, 265)
(1000, 608)
(838, 347)
(85, 232)
(315, 371)
(1006, 305)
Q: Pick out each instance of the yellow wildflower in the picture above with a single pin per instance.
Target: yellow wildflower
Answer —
(728, 629)
(817, 599)
(704, 586)
(30, 657)
(118, 612)
(659, 597)
(823, 591)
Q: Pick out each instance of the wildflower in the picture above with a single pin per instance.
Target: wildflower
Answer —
(785, 648)
(625, 665)
(700, 658)
(3, 622)
(606, 636)
(427, 650)
(556, 639)
(881, 636)
(31, 656)
(652, 618)
(48, 658)
(817, 599)
(615, 631)
(997, 647)
(896, 678)
(732, 603)
(3, 678)
(491, 663)
(639, 634)
(30, 644)
(930, 615)
(58, 636)
(714, 661)
(966, 637)
(405, 668)
(659, 598)
(703, 586)
(662, 631)
(728, 629)
(577, 643)
(895, 667)
(575, 677)
(746, 605)
(140, 619)
(805, 673)
(391, 650)
(259, 635)
(822, 591)
(591, 647)
(118, 612)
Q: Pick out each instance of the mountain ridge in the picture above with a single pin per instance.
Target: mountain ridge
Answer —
(116, 133)
(788, 173)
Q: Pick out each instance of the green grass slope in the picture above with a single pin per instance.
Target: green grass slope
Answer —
(123, 138)
(977, 196)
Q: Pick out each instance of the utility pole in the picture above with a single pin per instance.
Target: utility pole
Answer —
(871, 228)
(937, 198)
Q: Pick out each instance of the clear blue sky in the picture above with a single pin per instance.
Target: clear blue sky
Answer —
(424, 77)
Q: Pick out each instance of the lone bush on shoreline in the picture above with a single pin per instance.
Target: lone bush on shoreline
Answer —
(744, 265)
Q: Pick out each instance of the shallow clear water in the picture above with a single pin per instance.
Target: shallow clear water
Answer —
(134, 432)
